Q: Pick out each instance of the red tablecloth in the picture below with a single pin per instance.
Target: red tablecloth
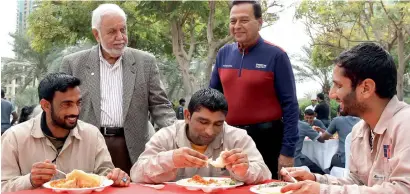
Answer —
(136, 188)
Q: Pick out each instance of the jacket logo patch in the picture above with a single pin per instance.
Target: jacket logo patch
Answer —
(226, 65)
(260, 66)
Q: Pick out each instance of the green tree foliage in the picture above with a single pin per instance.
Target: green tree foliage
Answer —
(177, 31)
(338, 25)
(309, 67)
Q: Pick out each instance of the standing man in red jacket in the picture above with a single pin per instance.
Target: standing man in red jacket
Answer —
(257, 80)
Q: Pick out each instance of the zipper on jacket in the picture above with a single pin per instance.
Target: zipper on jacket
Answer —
(240, 68)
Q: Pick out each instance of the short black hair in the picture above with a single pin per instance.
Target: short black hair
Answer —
(54, 82)
(257, 9)
(2, 93)
(370, 61)
(181, 100)
(309, 112)
(321, 96)
(208, 98)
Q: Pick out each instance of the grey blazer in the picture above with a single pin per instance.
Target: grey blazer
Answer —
(141, 91)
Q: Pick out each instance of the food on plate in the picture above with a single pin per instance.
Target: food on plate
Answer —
(218, 163)
(228, 182)
(77, 179)
(270, 188)
(210, 181)
(198, 179)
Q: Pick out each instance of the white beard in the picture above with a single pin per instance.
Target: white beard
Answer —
(113, 52)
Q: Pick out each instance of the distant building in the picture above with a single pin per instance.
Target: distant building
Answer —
(10, 83)
(24, 8)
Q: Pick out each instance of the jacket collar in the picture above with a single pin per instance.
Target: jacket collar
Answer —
(250, 48)
(393, 107)
(36, 131)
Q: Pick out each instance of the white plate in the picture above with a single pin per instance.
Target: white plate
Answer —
(267, 188)
(105, 183)
(207, 188)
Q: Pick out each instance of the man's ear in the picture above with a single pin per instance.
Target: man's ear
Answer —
(367, 88)
(96, 35)
(260, 21)
(45, 105)
(187, 116)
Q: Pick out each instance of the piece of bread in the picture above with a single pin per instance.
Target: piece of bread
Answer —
(218, 163)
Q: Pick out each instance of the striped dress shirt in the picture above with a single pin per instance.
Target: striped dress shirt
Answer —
(111, 92)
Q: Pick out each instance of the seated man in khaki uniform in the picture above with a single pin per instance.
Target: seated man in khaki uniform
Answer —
(183, 149)
(365, 80)
(56, 139)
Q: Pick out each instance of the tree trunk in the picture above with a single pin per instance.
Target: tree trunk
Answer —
(173, 85)
(188, 88)
(402, 64)
(212, 51)
(213, 45)
(325, 91)
(181, 56)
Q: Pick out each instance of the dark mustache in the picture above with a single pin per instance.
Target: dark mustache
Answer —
(71, 116)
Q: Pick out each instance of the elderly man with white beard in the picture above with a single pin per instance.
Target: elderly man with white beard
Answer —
(120, 85)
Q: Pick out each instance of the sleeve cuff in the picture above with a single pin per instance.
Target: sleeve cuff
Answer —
(165, 160)
(320, 179)
(27, 182)
(288, 151)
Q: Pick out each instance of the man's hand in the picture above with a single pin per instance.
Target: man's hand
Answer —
(236, 161)
(188, 158)
(304, 187)
(120, 178)
(42, 172)
(316, 128)
(299, 174)
(284, 161)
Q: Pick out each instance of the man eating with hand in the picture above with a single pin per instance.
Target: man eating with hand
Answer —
(183, 149)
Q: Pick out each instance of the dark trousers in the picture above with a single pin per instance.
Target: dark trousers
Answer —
(326, 122)
(268, 140)
(119, 152)
(337, 161)
(305, 161)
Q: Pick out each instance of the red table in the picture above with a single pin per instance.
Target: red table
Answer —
(136, 188)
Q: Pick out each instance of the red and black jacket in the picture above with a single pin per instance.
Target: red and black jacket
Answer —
(259, 86)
